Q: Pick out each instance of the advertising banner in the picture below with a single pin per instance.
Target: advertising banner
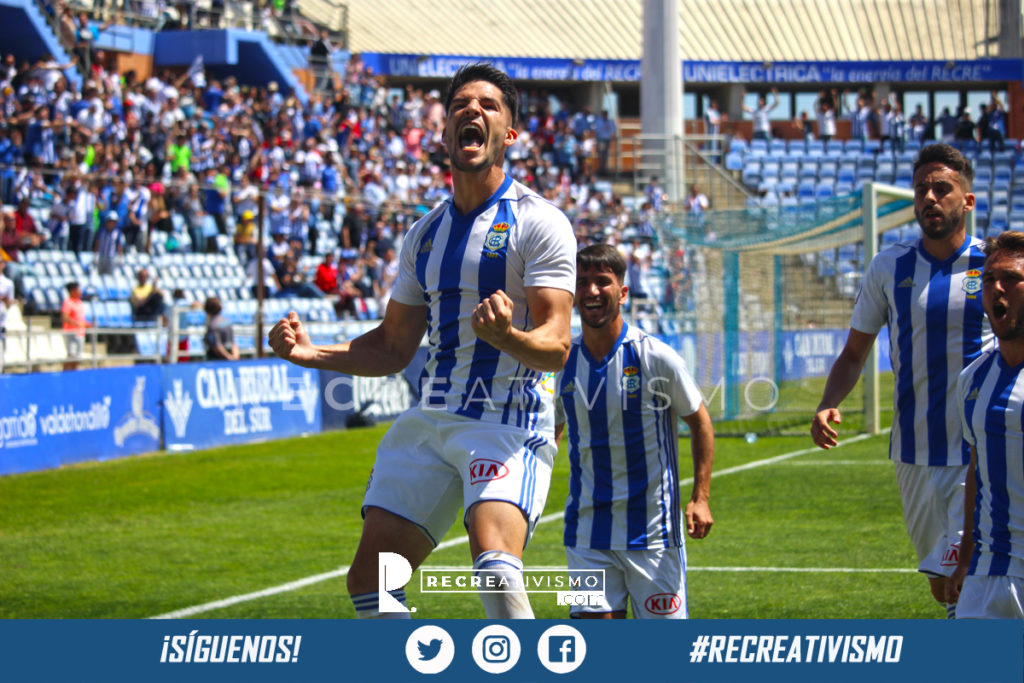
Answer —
(776, 73)
(53, 419)
(372, 398)
(403, 651)
(212, 404)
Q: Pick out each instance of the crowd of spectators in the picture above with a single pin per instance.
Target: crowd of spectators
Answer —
(177, 162)
(873, 117)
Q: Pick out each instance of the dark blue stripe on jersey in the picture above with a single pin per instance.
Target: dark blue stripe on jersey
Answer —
(600, 453)
(636, 455)
(974, 319)
(422, 257)
(450, 294)
(902, 298)
(672, 441)
(534, 406)
(936, 336)
(568, 399)
(661, 417)
(970, 404)
(995, 460)
(491, 278)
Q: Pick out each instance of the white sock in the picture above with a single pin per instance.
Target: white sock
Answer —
(508, 598)
(950, 610)
(368, 606)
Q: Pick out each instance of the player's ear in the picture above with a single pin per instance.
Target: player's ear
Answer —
(510, 136)
(623, 294)
(969, 199)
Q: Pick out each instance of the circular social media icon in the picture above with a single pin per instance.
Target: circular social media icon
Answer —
(561, 649)
(429, 649)
(496, 649)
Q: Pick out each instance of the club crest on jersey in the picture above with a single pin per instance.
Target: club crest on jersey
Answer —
(630, 379)
(485, 469)
(497, 236)
(972, 282)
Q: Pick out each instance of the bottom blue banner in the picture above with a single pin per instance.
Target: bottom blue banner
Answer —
(221, 651)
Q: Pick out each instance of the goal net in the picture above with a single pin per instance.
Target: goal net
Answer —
(761, 301)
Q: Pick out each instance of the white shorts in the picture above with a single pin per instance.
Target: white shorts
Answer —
(654, 581)
(991, 597)
(431, 463)
(74, 344)
(933, 509)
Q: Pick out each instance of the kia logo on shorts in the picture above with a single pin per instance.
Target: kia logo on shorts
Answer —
(483, 469)
(663, 603)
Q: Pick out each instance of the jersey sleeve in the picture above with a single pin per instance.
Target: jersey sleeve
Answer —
(559, 404)
(406, 288)
(671, 381)
(870, 312)
(963, 384)
(548, 246)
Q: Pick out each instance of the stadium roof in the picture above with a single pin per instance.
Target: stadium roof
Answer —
(710, 30)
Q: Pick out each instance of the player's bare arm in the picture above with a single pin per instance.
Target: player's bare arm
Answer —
(702, 447)
(559, 430)
(384, 350)
(544, 348)
(955, 581)
(841, 380)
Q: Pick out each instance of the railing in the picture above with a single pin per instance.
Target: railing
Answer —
(683, 160)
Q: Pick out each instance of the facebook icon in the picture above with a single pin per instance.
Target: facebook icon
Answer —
(562, 649)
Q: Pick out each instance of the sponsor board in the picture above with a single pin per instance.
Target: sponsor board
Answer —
(53, 419)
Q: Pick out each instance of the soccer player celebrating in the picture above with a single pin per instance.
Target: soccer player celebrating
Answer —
(621, 394)
(991, 398)
(488, 276)
(928, 292)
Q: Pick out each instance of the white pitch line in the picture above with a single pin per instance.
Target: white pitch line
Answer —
(462, 540)
(829, 463)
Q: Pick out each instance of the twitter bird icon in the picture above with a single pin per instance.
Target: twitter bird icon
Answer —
(429, 650)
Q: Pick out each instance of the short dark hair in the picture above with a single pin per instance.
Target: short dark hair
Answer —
(482, 71)
(212, 306)
(602, 257)
(1008, 240)
(72, 286)
(949, 156)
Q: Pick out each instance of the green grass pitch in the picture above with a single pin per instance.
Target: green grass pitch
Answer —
(815, 535)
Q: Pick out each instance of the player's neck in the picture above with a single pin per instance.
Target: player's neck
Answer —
(1012, 351)
(944, 248)
(470, 190)
(600, 341)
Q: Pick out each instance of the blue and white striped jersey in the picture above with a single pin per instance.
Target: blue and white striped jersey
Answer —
(621, 414)
(936, 328)
(991, 395)
(450, 262)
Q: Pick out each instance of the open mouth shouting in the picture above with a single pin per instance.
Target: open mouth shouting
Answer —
(471, 137)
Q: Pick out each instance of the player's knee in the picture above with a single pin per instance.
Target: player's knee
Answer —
(938, 586)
